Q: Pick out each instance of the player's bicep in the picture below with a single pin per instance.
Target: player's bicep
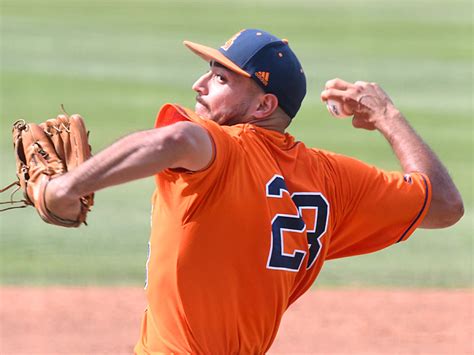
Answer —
(193, 146)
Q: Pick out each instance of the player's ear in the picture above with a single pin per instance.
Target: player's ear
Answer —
(267, 104)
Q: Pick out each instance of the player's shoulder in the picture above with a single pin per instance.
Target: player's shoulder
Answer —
(335, 164)
(333, 157)
(324, 155)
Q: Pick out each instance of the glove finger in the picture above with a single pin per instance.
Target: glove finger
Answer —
(51, 127)
(63, 128)
(78, 141)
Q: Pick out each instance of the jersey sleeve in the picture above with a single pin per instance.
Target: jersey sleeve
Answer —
(374, 208)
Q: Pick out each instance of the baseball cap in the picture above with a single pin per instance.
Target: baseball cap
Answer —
(266, 59)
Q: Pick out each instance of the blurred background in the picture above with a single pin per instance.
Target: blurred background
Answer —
(117, 62)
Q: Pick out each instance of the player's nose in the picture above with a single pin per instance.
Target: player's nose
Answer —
(200, 86)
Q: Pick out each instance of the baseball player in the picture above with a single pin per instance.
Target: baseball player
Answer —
(244, 215)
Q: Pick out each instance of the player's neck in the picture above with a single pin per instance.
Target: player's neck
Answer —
(275, 122)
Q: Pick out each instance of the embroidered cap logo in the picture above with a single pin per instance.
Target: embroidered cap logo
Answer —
(230, 42)
(263, 76)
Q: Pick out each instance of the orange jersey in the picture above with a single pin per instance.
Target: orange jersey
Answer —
(233, 245)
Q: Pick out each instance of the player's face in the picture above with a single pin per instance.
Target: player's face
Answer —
(225, 97)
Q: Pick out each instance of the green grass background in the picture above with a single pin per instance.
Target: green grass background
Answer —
(117, 62)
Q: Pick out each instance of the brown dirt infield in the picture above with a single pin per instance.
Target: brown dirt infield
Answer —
(325, 321)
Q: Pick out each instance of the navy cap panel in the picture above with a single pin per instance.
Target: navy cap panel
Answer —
(277, 70)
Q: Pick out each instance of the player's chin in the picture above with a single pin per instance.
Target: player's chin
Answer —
(202, 111)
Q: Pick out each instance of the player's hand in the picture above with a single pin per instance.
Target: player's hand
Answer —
(60, 202)
(370, 106)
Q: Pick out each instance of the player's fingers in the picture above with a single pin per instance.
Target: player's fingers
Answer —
(337, 84)
(331, 93)
(341, 95)
(361, 83)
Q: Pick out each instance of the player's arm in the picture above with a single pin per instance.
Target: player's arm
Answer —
(373, 110)
(138, 155)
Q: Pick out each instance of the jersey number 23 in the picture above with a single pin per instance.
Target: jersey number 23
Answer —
(277, 258)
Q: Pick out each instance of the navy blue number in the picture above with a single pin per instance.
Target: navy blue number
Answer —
(278, 259)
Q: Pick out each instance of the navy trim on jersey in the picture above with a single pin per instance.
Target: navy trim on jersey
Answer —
(421, 211)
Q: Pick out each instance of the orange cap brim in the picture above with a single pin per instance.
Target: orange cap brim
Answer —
(208, 54)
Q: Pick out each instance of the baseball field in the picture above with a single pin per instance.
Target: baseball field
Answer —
(116, 62)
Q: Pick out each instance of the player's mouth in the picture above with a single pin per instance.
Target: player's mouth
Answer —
(201, 101)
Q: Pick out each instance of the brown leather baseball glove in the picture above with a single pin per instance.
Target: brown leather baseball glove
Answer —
(44, 152)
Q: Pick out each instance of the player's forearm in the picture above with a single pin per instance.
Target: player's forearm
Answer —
(133, 157)
(416, 156)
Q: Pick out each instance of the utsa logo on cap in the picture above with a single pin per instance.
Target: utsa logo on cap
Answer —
(231, 40)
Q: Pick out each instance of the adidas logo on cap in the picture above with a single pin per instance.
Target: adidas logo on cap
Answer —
(263, 76)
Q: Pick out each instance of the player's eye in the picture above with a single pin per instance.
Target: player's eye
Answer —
(220, 78)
